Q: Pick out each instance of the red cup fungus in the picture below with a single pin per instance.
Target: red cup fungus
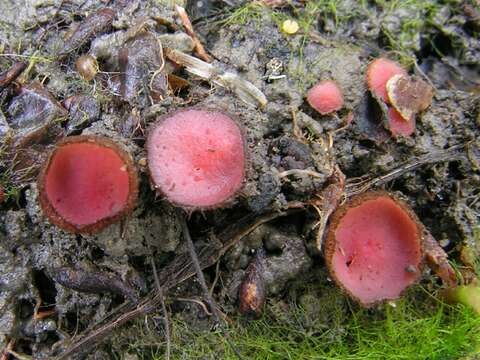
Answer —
(325, 97)
(380, 74)
(196, 158)
(87, 183)
(398, 125)
(374, 247)
(379, 71)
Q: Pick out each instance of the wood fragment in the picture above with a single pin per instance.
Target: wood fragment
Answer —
(38, 315)
(252, 292)
(437, 260)
(8, 76)
(199, 49)
(93, 282)
(244, 89)
(328, 200)
(4, 355)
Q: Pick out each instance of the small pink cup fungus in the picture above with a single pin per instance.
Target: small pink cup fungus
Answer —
(196, 158)
(87, 183)
(398, 125)
(379, 71)
(325, 97)
(374, 247)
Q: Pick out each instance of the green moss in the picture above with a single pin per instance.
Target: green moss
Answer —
(327, 326)
(251, 12)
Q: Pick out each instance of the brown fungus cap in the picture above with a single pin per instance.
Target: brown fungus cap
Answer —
(87, 183)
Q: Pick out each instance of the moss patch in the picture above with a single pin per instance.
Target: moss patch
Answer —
(327, 326)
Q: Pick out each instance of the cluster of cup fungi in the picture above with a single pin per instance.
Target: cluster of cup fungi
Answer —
(374, 244)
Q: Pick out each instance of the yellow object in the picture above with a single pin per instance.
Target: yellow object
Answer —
(290, 27)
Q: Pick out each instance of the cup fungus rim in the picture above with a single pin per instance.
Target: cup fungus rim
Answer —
(89, 229)
(330, 240)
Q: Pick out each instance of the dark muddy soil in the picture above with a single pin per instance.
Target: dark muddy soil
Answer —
(56, 287)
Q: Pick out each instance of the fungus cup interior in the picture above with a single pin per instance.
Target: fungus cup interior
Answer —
(196, 158)
(86, 182)
(377, 250)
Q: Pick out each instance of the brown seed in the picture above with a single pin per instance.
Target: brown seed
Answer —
(87, 67)
(252, 292)
(409, 95)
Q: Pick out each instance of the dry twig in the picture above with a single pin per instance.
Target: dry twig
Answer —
(200, 50)
(166, 323)
(201, 280)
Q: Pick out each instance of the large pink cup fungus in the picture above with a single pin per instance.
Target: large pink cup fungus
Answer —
(374, 247)
(196, 158)
(325, 97)
(87, 183)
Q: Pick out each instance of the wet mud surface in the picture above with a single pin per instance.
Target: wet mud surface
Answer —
(54, 285)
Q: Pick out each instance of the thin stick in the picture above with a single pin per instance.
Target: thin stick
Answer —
(198, 302)
(200, 50)
(217, 275)
(201, 279)
(296, 130)
(19, 356)
(299, 172)
(4, 355)
(451, 154)
(164, 309)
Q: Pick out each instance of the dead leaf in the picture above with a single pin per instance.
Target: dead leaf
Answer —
(409, 95)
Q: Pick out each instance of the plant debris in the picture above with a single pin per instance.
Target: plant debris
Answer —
(252, 292)
(408, 95)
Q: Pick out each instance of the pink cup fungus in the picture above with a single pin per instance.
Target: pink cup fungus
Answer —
(196, 158)
(325, 97)
(398, 125)
(380, 75)
(374, 247)
(379, 71)
(87, 183)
